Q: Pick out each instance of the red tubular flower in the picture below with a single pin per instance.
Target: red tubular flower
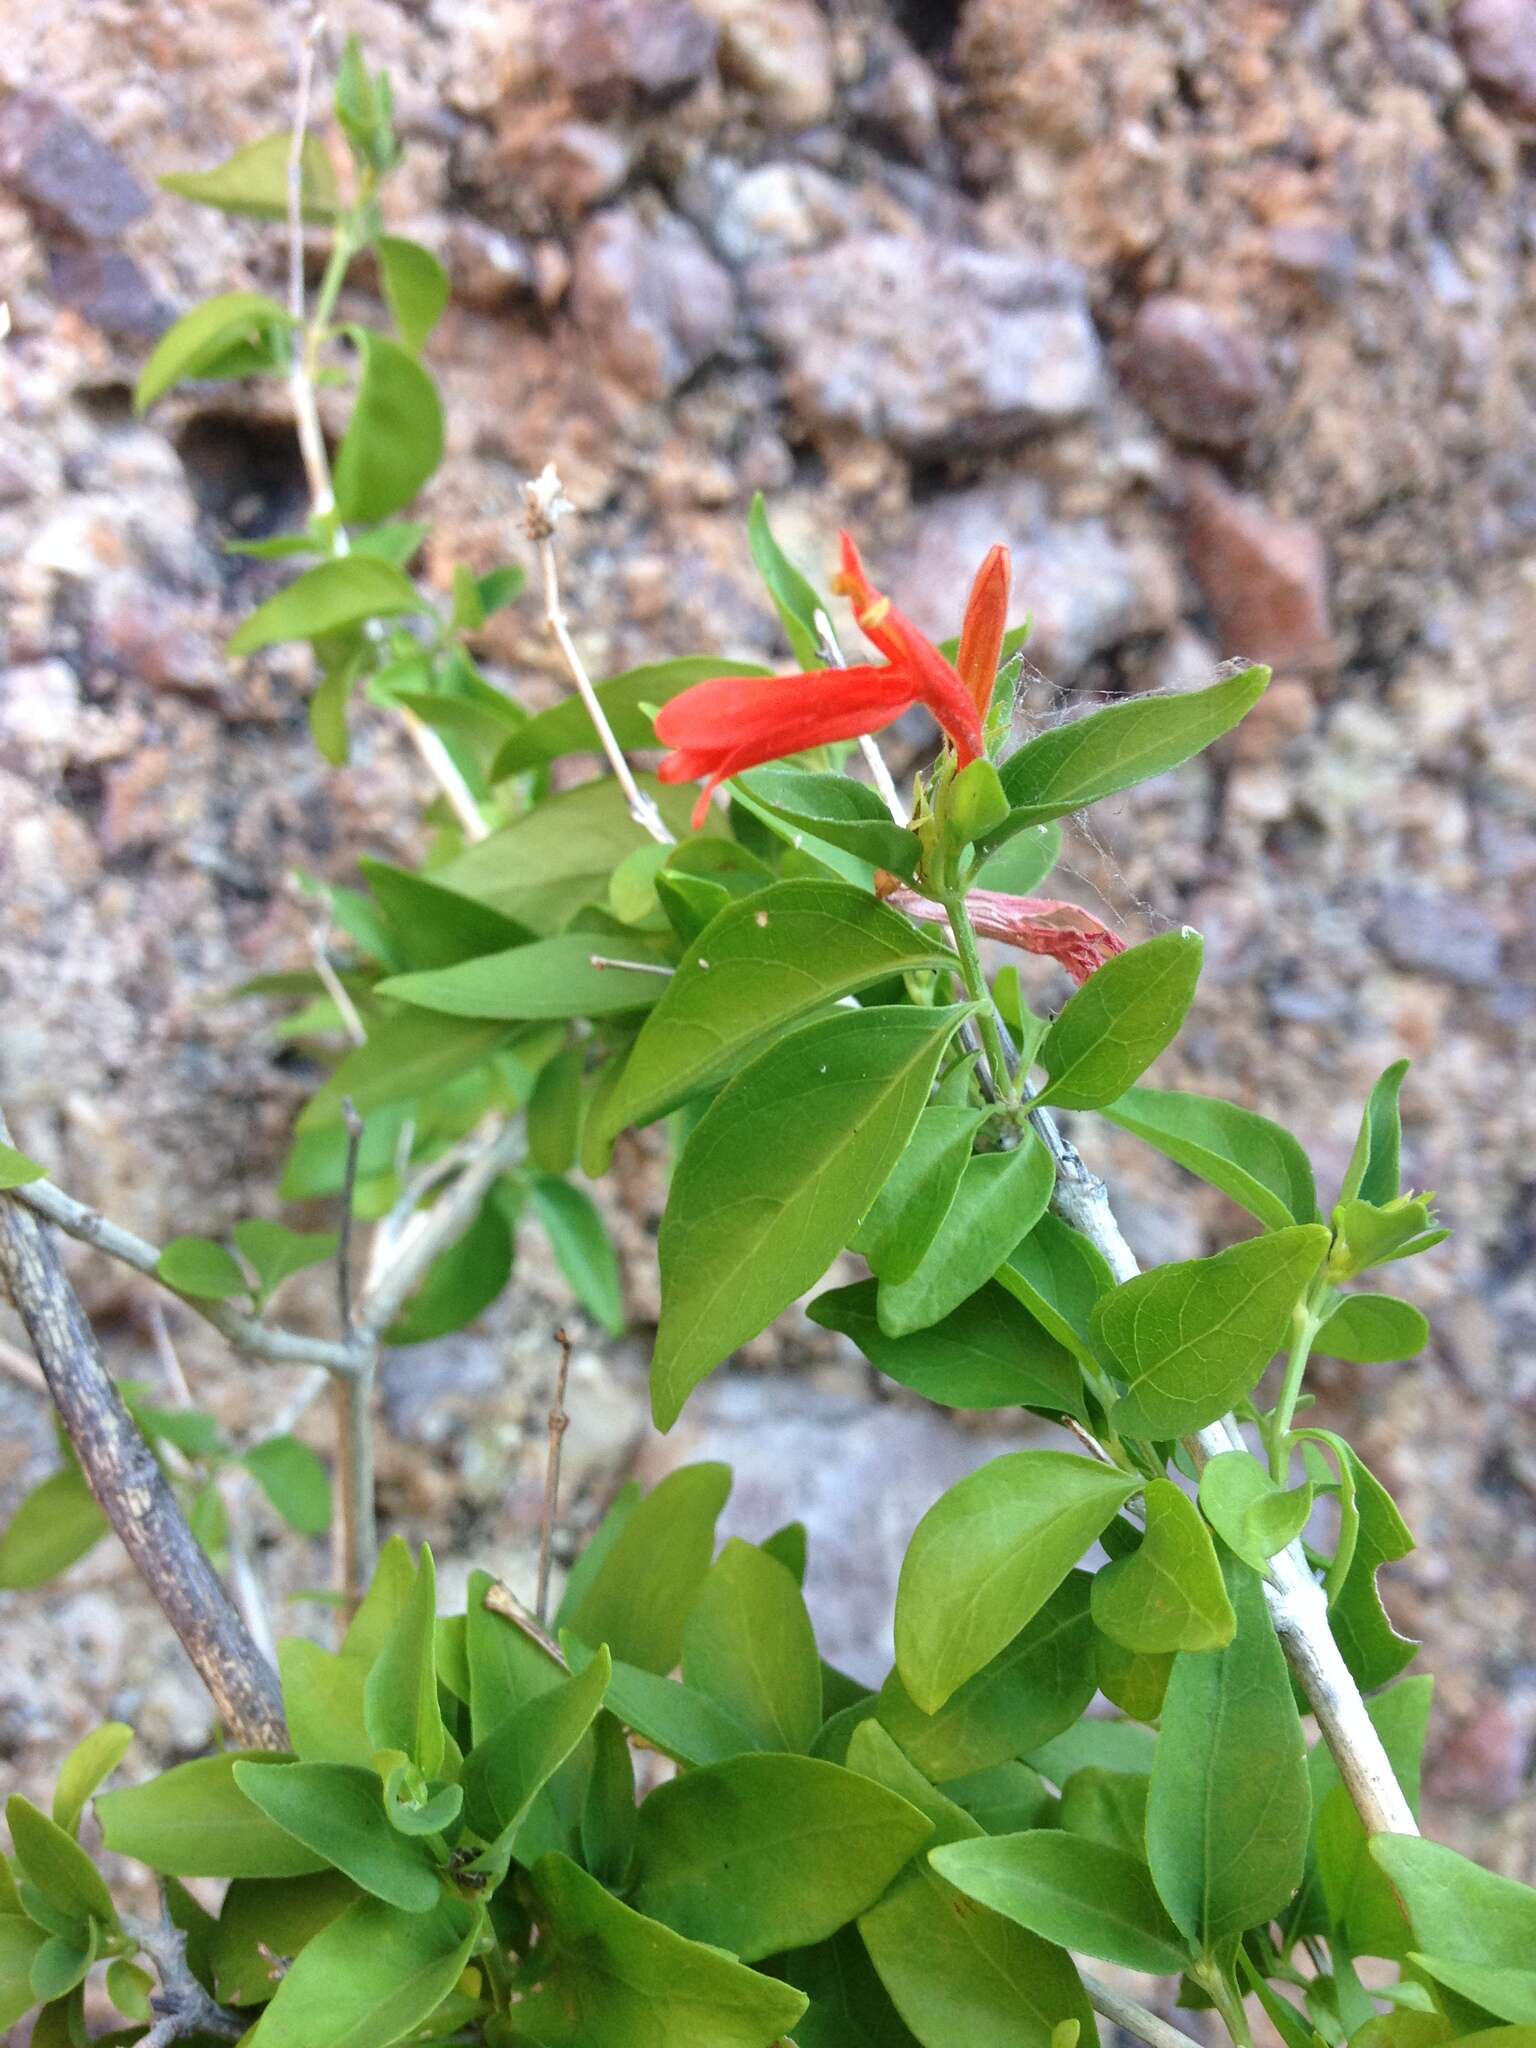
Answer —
(935, 682)
(728, 723)
(721, 726)
(981, 635)
(1035, 924)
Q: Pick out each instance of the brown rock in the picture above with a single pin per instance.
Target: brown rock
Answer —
(653, 301)
(933, 347)
(55, 164)
(779, 51)
(489, 270)
(567, 166)
(1265, 579)
(1497, 41)
(1200, 377)
(608, 52)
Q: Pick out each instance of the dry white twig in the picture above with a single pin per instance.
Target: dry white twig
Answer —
(547, 504)
(1298, 1607)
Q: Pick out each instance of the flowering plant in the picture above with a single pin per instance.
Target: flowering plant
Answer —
(431, 1830)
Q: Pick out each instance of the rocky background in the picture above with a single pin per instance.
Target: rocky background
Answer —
(1220, 314)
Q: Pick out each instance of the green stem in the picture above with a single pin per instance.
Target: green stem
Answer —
(976, 988)
(1305, 1324)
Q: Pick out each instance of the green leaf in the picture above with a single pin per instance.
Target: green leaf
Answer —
(54, 1861)
(400, 1703)
(254, 181)
(274, 1252)
(554, 1112)
(1071, 1891)
(437, 927)
(1022, 865)
(199, 338)
(338, 1811)
(506, 1668)
(768, 1852)
(583, 1249)
(264, 1917)
(55, 1525)
(328, 599)
(1005, 1798)
(918, 1193)
(1227, 1841)
(407, 1056)
(1106, 1805)
(647, 1584)
(504, 1774)
(1372, 1329)
(850, 2007)
(20, 1941)
(549, 978)
(1374, 1170)
(62, 1962)
(461, 1282)
(1369, 1234)
(1191, 1337)
(749, 1646)
(763, 964)
(17, 1170)
(1059, 1277)
(1118, 1746)
(196, 1265)
(1360, 1901)
(194, 1821)
(394, 439)
(955, 1970)
(836, 809)
(1372, 1647)
(1251, 1515)
(683, 1724)
(323, 1702)
(1254, 1161)
(89, 1764)
(1472, 1930)
(1168, 1594)
(129, 1987)
(987, 1353)
(1109, 750)
(776, 1176)
(608, 1977)
(560, 855)
(794, 599)
(1135, 1681)
(1001, 1196)
(1119, 1021)
(608, 1818)
(976, 805)
(294, 1480)
(416, 288)
(566, 727)
(370, 1978)
(1030, 1691)
(987, 1556)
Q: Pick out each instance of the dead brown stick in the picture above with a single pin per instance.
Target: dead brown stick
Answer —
(559, 1422)
(130, 1488)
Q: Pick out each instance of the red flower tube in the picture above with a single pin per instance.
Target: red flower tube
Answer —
(981, 634)
(728, 723)
(935, 682)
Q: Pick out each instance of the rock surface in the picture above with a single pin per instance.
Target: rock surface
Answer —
(942, 274)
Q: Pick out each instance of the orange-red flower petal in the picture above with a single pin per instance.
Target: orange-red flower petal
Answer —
(981, 635)
(935, 682)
